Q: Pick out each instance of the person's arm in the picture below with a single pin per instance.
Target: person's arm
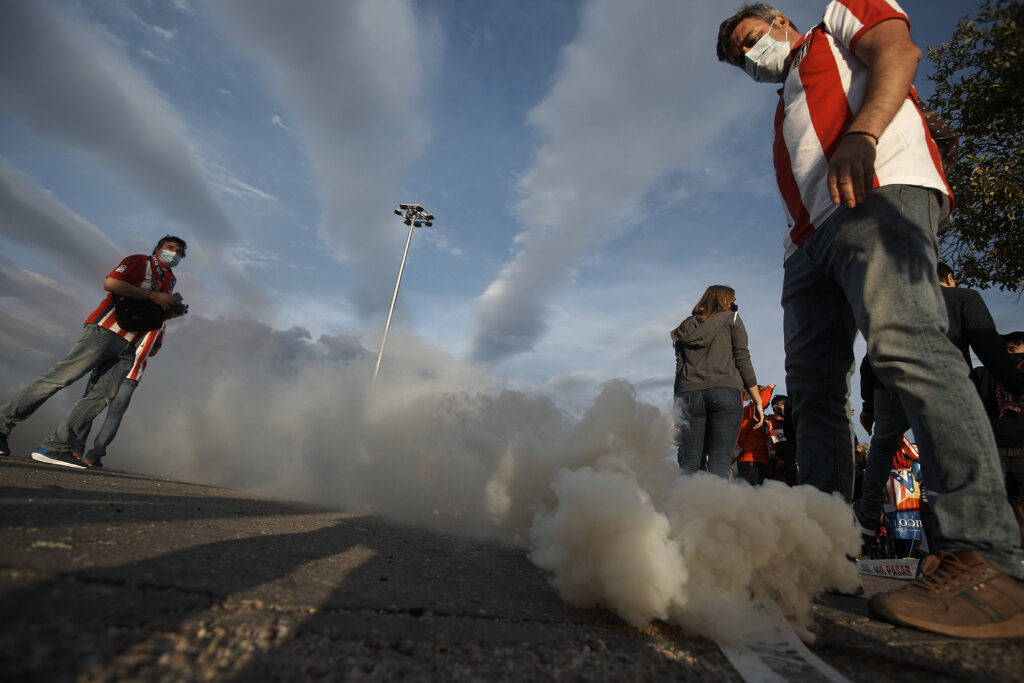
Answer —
(758, 408)
(741, 357)
(891, 58)
(130, 291)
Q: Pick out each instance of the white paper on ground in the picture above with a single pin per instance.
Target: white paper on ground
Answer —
(777, 658)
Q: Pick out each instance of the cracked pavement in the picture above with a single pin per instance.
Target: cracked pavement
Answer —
(115, 576)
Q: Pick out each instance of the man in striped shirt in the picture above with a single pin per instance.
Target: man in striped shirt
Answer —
(863, 192)
(104, 347)
(148, 346)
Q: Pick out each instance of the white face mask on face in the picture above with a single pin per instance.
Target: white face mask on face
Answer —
(169, 258)
(766, 61)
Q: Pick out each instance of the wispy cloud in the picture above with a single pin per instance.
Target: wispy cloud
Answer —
(162, 33)
(182, 6)
(277, 121)
(248, 255)
(355, 109)
(67, 82)
(237, 188)
(32, 217)
(150, 55)
(628, 113)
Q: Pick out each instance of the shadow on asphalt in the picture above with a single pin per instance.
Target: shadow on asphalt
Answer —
(339, 576)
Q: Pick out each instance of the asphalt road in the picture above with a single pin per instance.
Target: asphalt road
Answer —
(115, 576)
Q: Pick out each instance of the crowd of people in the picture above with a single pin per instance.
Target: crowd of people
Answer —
(864, 194)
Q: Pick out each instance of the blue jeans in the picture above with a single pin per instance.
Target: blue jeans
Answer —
(890, 425)
(97, 349)
(872, 268)
(112, 421)
(715, 413)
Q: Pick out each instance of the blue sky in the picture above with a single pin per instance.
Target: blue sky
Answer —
(592, 169)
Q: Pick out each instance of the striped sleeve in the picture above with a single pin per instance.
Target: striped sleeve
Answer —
(848, 20)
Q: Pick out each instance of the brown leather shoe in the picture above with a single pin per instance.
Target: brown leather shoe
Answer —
(960, 595)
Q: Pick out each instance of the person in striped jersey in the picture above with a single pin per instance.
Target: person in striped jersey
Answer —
(148, 346)
(863, 192)
(103, 347)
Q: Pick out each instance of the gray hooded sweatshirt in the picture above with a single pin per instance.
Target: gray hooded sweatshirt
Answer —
(712, 354)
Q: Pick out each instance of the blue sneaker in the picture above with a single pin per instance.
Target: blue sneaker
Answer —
(66, 459)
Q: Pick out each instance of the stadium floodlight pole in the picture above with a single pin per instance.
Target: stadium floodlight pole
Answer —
(415, 216)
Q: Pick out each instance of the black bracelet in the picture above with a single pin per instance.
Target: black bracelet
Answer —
(861, 132)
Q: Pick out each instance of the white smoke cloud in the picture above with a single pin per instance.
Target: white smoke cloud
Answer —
(710, 557)
(352, 77)
(438, 442)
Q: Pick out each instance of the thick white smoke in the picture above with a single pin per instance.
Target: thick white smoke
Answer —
(714, 557)
(436, 442)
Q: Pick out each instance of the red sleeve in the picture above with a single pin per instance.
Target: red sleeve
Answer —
(132, 269)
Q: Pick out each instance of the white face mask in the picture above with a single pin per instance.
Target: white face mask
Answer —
(169, 258)
(766, 61)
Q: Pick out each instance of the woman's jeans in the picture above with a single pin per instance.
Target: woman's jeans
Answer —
(713, 416)
(872, 268)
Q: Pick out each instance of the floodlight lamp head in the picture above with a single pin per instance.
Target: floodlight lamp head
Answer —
(417, 224)
(428, 224)
(405, 207)
(408, 221)
(397, 212)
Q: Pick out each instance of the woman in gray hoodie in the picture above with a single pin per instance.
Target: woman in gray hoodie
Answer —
(712, 370)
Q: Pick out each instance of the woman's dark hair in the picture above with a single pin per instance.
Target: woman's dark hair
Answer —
(716, 299)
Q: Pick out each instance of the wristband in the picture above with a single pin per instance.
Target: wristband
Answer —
(861, 132)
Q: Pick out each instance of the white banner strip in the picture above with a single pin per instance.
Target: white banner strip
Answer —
(779, 658)
(891, 569)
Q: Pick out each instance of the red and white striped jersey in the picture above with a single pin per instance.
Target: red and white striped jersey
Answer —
(142, 271)
(149, 341)
(823, 91)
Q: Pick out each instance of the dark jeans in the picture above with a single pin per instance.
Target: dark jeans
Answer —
(97, 349)
(754, 473)
(787, 451)
(716, 412)
(872, 268)
(112, 421)
(890, 425)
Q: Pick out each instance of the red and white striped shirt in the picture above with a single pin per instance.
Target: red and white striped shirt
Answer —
(142, 271)
(149, 341)
(823, 91)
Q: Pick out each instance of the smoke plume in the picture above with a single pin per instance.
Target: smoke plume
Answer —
(437, 442)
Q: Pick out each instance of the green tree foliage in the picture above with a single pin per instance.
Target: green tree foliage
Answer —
(979, 79)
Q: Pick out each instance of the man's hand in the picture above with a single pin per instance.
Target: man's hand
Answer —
(867, 420)
(162, 299)
(891, 58)
(851, 170)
